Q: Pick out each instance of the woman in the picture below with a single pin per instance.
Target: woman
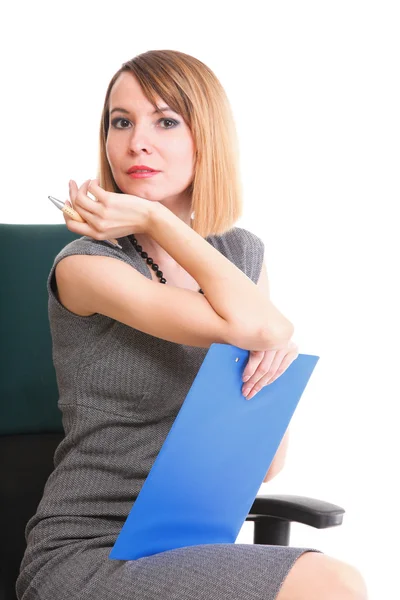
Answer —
(126, 349)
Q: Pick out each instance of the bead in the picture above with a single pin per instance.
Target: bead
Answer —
(149, 260)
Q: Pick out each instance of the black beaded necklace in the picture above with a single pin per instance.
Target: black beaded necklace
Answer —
(149, 260)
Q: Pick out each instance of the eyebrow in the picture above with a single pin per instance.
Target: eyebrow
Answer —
(160, 109)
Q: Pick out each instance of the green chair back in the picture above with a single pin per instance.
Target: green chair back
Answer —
(28, 386)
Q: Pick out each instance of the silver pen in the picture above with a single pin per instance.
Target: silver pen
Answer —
(76, 216)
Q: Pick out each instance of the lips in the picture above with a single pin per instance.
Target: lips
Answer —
(135, 168)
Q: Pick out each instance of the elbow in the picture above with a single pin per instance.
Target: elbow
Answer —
(277, 338)
(277, 329)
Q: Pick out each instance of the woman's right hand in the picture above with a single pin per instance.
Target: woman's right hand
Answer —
(263, 368)
(110, 215)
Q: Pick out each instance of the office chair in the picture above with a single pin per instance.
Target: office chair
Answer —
(30, 420)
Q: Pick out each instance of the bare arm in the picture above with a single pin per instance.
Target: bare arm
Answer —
(232, 295)
(230, 292)
(233, 310)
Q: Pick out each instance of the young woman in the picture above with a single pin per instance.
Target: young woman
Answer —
(127, 349)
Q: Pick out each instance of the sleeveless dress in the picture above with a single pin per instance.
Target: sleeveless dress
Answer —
(120, 391)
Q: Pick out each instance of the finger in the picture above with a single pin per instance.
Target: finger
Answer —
(76, 225)
(256, 368)
(275, 364)
(73, 189)
(257, 371)
(90, 210)
(255, 357)
(287, 361)
(265, 370)
(95, 189)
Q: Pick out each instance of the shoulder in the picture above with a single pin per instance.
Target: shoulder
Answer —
(90, 247)
(250, 240)
(239, 238)
(86, 246)
(244, 248)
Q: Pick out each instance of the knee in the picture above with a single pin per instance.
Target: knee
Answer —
(350, 580)
(315, 576)
(343, 580)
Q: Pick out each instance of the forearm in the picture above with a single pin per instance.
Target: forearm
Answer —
(232, 294)
(279, 458)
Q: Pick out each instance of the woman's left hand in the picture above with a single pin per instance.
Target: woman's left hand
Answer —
(264, 367)
(109, 215)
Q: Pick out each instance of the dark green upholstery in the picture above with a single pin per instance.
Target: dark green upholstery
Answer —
(30, 421)
(28, 388)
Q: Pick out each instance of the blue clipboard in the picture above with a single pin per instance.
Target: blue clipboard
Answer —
(206, 476)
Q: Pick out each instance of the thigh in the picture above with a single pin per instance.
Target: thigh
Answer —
(204, 572)
(316, 576)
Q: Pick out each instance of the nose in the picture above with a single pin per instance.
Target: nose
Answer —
(140, 139)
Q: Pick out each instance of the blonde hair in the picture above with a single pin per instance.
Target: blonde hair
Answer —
(191, 89)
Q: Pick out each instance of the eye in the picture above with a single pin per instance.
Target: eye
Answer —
(175, 123)
(115, 121)
(118, 119)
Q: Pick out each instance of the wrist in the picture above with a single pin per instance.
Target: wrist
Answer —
(153, 216)
(157, 213)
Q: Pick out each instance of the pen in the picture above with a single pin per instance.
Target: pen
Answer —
(75, 216)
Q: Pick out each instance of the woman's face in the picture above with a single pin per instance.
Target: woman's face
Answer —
(136, 136)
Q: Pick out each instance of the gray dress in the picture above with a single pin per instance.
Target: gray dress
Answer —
(119, 392)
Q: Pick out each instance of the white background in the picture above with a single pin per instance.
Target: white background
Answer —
(315, 91)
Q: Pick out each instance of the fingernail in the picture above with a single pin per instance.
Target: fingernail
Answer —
(246, 391)
(246, 378)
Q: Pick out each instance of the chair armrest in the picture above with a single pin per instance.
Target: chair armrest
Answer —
(299, 509)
